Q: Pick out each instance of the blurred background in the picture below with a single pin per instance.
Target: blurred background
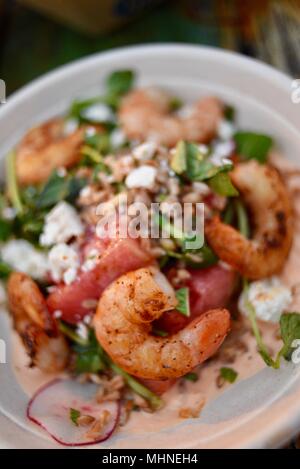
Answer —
(39, 35)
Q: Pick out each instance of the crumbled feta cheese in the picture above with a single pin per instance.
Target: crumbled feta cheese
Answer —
(9, 213)
(203, 148)
(226, 129)
(91, 260)
(2, 294)
(71, 125)
(186, 111)
(57, 314)
(82, 331)
(201, 188)
(144, 176)
(269, 297)
(22, 256)
(86, 191)
(63, 263)
(61, 172)
(221, 153)
(61, 224)
(117, 138)
(98, 113)
(145, 151)
(90, 132)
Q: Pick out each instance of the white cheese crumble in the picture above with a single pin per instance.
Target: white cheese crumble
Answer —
(269, 297)
(71, 125)
(61, 224)
(226, 129)
(9, 213)
(22, 256)
(221, 153)
(91, 260)
(145, 151)
(98, 113)
(82, 331)
(117, 138)
(63, 263)
(144, 176)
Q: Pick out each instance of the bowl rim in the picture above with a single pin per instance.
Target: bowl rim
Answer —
(281, 429)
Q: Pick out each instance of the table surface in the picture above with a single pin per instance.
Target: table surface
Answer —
(32, 44)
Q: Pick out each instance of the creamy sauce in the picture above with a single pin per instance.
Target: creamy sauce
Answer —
(238, 351)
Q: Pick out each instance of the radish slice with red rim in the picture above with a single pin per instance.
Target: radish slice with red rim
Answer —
(51, 405)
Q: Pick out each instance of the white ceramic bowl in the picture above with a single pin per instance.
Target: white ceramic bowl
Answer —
(261, 411)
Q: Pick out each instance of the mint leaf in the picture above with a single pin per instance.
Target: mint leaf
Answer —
(120, 82)
(191, 377)
(59, 188)
(74, 415)
(250, 145)
(183, 298)
(229, 374)
(222, 185)
(290, 330)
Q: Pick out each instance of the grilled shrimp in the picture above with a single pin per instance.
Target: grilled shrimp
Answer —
(269, 206)
(44, 344)
(145, 115)
(45, 148)
(123, 320)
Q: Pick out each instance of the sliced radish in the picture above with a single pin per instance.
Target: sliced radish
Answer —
(51, 405)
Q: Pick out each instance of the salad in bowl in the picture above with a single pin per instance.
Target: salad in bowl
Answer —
(131, 313)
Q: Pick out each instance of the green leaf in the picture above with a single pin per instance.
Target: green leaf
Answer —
(242, 218)
(5, 270)
(250, 145)
(191, 377)
(222, 185)
(183, 298)
(175, 103)
(120, 82)
(74, 415)
(290, 330)
(78, 106)
(229, 374)
(262, 349)
(229, 113)
(6, 229)
(59, 188)
(208, 257)
(100, 142)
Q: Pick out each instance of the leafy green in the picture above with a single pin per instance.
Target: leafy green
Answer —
(59, 188)
(183, 298)
(229, 374)
(250, 145)
(90, 357)
(189, 162)
(5, 270)
(290, 330)
(175, 103)
(229, 113)
(100, 142)
(74, 415)
(78, 106)
(12, 183)
(6, 229)
(242, 218)
(171, 230)
(191, 377)
(119, 82)
(222, 185)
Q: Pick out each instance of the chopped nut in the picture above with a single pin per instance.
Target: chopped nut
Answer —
(98, 425)
(188, 412)
(85, 420)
